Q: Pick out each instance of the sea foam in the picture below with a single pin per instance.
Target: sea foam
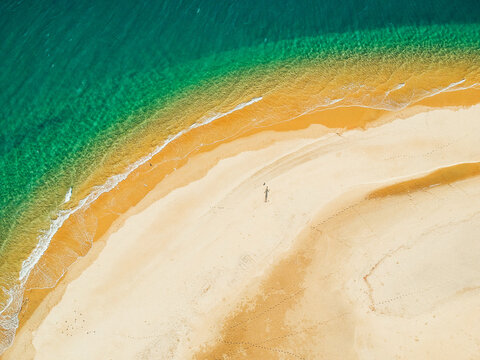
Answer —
(9, 313)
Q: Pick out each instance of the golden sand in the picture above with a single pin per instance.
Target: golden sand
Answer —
(268, 312)
(415, 299)
(75, 237)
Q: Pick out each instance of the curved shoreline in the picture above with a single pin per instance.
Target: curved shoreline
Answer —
(176, 185)
(332, 117)
(326, 111)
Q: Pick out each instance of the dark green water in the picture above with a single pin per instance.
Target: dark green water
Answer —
(79, 76)
(74, 70)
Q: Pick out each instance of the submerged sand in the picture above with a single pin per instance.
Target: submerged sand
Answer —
(338, 264)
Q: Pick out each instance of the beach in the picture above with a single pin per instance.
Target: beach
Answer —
(239, 180)
(364, 249)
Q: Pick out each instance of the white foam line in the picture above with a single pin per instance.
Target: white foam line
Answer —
(398, 87)
(10, 299)
(456, 83)
(473, 86)
(68, 195)
(449, 88)
(112, 182)
(217, 116)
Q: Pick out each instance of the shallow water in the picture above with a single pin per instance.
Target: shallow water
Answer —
(90, 88)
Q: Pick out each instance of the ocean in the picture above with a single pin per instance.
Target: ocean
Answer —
(92, 89)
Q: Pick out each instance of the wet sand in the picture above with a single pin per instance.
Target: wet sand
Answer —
(341, 262)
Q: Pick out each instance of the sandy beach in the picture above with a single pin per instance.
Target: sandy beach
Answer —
(358, 253)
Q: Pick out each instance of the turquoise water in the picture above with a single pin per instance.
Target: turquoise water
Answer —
(73, 71)
(78, 77)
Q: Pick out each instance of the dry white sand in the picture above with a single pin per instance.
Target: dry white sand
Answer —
(392, 278)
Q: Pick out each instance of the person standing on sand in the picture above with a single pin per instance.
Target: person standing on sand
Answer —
(266, 194)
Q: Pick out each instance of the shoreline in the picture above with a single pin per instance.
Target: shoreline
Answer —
(111, 230)
(324, 115)
(467, 97)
